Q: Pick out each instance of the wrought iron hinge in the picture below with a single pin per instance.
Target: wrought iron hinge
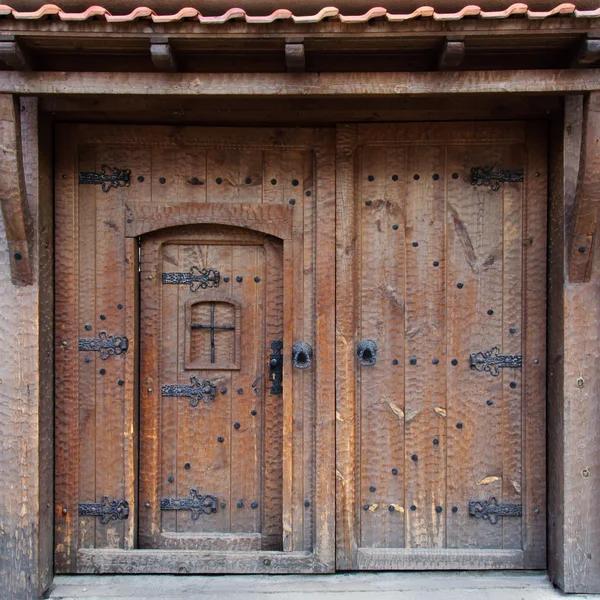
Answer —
(491, 361)
(494, 176)
(199, 504)
(203, 390)
(109, 177)
(491, 509)
(107, 510)
(105, 344)
(276, 368)
(196, 278)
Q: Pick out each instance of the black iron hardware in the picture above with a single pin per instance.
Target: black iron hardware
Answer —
(108, 178)
(107, 510)
(490, 509)
(491, 361)
(276, 368)
(367, 353)
(199, 504)
(302, 355)
(211, 327)
(494, 176)
(203, 390)
(105, 344)
(196, 278)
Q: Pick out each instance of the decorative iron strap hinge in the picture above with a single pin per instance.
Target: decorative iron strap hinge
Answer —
(490, 509)
(108, 510)
(494, 176)
(199, 504)
(203, 390)
(105, 344)
(196, 278)
(491, 361)
(108, 178)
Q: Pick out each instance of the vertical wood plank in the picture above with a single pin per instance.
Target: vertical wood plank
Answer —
(346, 339)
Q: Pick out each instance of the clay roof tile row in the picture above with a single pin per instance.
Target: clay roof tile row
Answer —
(329, 12)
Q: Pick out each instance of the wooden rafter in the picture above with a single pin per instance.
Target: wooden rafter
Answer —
(13, 196)
(295, 60)
(589, 51)
(13, 54)
(318, 85)
(452, 54)
(162, 54)
(587, 197)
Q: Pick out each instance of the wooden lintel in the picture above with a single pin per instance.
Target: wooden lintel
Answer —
(13, 196)
(452, 53)
(162, 54)
(302, 85)
(13, 54)
(588, 52)
(587, 197)
(295, 61)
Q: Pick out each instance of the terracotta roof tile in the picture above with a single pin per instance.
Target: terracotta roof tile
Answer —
(328, 12)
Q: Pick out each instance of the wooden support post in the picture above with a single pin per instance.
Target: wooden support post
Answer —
(13, 197)
(587, 198)
(452, 54)
(13, 54)
(295, 61)
(589, 51)
(162, 54)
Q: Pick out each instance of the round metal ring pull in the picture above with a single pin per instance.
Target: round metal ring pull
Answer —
(302, 355)
(367, 353)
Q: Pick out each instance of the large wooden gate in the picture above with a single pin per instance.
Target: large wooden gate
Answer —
(441, 346)
(195, 390)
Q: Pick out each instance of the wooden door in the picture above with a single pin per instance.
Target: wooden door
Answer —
(441, 346)
(186, 268)
(212, 319)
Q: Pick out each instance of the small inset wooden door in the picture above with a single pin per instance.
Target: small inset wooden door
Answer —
(212, 320)
(441, 346)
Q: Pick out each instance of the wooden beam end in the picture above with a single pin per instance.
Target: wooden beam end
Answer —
(14, 55)
(162, 55)
(452, 54)
(295, 59)
(588, 53)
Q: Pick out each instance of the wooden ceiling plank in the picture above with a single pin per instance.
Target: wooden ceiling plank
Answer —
(162, 54)
(13, 196)
(544, 81)
(452, 54)
(587, 197)
(13, 53)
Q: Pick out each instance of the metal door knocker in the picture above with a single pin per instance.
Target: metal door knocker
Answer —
(302, 355)
(367, 353)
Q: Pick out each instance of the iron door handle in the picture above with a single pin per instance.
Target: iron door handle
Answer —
(367, 353)
(302, 355)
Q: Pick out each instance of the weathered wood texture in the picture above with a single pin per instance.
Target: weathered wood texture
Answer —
(434, 269)
(370, 85)
(13, 194)
(574, 418)
(241, 181)
(26, 387)
(587, 196)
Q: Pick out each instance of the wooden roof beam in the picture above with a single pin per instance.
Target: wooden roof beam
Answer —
(162, 54)
(587, 197)
(13, 196)
(295, 60)
(452, 53)
(589, 51)
(13, 54)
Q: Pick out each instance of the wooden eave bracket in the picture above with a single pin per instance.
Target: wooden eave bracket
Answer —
(13, 196)
(587, 197)
(452, 53)
(162, 54)
(588, 52)
(13, 54)
(295, 60)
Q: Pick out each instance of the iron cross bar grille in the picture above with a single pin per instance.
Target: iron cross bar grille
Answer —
(212, 328)
(105, 344)
(199, 504)
(107, 510)
(494, 176)
(491, 509)
(108, 178)
(203, 390)
(196, 278)
(491, 361)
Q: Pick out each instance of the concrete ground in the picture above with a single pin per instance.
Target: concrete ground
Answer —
(490, 585)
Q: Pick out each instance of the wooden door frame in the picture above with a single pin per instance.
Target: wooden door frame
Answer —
(574, 530)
